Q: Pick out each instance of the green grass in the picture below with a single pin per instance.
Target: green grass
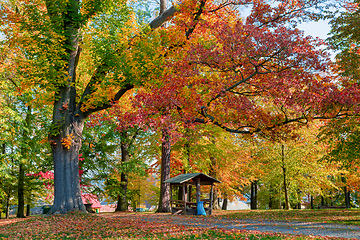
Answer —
(340, 216)
(228, 235)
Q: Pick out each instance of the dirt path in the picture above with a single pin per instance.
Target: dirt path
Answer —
(298, 228)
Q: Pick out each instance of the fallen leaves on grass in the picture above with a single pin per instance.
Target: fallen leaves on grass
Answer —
(120, 226)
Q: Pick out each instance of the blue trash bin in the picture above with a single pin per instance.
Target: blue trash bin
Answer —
(200, 208)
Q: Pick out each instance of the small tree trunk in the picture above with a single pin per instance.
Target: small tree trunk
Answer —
(3, 148)
(216, 205)
(164, 201)
(347, 197)
(21, 199)
(299, 197)
(273, 202)
(311, 202)
(213, 173)
(285, 184)
(225, 203)
(7, 206)
(21, 177)
(253, 197)
(322, 201)
(28, 210)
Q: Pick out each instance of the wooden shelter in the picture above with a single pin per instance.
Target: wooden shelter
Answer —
(185, 182)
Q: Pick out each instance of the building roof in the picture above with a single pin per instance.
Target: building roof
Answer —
(88, 198)
(191, 178)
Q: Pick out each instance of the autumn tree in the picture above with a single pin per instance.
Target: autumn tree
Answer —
(50, 33)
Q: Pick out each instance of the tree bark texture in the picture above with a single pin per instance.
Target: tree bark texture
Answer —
(67, 193)
(164, 201)
(163, 6)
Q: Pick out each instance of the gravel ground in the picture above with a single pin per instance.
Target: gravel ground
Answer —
(298, 228)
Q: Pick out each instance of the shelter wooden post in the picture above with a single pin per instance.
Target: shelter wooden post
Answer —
(189, 195)
(184, 197)
(171, 193)
(211, 198)
(198, 190)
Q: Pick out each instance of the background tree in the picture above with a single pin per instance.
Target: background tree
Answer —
(288, 168)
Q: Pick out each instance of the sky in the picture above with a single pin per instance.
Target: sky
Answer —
(316, 29)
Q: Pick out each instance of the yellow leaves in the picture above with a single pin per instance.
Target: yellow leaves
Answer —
(66, 142)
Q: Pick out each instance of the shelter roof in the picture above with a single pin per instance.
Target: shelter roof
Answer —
(191, 178)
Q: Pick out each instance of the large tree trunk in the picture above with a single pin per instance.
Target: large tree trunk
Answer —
(67, 193)
(164, 201)
(125, 157)
(122, 204)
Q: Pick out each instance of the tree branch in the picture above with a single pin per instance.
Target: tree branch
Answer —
(260, 129)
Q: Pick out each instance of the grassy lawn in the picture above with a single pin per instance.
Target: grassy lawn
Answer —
(116, 226)
(341, 216)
